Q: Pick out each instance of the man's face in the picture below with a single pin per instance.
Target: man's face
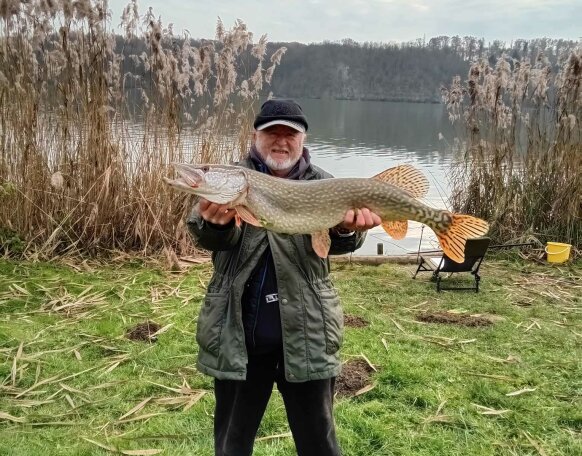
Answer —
(280, 147)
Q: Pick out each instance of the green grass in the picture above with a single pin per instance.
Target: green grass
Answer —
(434, 381)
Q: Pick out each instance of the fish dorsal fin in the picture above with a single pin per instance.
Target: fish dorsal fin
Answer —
(320, 241)
(396, 228)
(245, 214)
(407, 178)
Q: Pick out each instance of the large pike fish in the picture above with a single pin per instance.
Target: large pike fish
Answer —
(312, 207)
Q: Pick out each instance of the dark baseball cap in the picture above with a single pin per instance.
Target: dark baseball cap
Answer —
(281, 112)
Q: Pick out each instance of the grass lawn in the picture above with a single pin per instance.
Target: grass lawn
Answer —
(72, 383)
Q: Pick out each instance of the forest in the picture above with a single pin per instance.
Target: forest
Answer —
(413, 71)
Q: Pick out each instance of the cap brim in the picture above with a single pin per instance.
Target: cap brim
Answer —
(295, 125)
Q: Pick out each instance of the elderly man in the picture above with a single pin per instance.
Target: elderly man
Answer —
(271, 313)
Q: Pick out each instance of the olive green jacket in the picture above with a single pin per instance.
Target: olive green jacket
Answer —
(311, 315)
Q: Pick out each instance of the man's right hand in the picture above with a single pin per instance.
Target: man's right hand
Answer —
(219, 214)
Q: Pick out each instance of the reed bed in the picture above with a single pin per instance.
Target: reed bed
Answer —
(520, 154)
(90, 121)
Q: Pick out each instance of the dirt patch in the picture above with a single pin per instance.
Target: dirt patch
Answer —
(143, 331)
(353, 321)
(354, 376)
(454, 318)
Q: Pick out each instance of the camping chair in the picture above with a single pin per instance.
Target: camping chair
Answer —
(475, 250)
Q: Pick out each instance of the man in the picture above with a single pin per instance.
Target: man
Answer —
(271, 313)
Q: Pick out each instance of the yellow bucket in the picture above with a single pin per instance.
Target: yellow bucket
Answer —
(557, 252)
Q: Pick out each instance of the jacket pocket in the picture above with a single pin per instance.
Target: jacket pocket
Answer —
(333, 320)
(210, 322)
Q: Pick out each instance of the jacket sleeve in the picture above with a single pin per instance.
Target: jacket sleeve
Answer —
(212, 237)
(346, 244)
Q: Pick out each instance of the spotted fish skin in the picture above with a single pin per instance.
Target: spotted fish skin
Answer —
(312, 207)
(306, 207)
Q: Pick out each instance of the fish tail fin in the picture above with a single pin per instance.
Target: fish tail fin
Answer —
(452, 238)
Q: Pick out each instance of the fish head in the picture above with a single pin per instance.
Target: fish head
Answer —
(219, 184)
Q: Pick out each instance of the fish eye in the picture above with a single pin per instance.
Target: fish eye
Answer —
(205, 169)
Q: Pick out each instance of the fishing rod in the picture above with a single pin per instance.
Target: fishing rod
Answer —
(498, 246)
(501, 246)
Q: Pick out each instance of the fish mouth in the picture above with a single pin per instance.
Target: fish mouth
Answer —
(190, 179)
(189, 175)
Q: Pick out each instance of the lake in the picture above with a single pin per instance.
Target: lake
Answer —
(362, 138)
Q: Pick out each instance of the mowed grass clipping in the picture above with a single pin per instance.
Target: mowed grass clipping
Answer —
(73, 383)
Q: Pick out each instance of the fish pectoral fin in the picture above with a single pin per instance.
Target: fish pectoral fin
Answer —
(320, 241)
(396, 228)
(453, 238)
(245, 214)
(407, 178)
(240, 199)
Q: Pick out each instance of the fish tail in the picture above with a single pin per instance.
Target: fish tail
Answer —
(452, 238)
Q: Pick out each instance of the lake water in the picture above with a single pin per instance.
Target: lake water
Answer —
(362, 138)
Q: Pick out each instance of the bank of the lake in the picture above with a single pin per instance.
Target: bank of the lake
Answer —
(499, 375)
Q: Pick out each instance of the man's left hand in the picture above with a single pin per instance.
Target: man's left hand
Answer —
(360, 220)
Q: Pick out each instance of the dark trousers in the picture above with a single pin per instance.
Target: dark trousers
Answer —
(240, 406)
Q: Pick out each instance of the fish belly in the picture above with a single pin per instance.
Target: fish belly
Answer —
(295, 209)
(297, 221)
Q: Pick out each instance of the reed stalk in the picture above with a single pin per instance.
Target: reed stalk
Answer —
(90, 121)
(520, 157)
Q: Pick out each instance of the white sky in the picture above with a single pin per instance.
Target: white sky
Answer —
(309, 21)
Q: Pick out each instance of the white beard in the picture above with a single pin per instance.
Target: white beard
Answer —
(280, 165)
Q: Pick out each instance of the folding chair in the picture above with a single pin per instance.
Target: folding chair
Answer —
(475, 250)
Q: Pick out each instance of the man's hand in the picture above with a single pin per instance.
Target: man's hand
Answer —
(360, 220)
(219, 214)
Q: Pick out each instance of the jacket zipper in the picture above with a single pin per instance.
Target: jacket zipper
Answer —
(259, 298)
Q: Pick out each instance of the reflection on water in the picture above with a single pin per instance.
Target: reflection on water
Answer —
(360, 139)
(370, 126)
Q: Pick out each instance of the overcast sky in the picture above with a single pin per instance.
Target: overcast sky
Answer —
(309, 21)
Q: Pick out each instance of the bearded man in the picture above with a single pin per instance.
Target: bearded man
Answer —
(271, 313)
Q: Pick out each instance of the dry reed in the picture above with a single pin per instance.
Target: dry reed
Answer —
(520, 156)
(88, 126)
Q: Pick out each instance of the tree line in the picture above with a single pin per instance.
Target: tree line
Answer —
(412, 71)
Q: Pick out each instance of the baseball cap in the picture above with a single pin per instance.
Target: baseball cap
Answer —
(281, 112)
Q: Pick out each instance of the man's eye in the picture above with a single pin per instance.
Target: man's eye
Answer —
(205, 169)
